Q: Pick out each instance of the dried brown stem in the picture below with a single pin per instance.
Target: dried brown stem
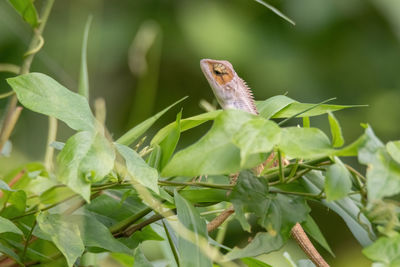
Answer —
(220, 219)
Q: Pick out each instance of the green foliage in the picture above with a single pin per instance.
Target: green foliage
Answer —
(27, 10)
(104, 196)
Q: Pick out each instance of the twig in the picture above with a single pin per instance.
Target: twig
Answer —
(218, 186)
(51, 137)
(217, 221)
(8, 126)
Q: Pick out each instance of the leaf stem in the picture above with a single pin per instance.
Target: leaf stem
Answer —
(51, 137)
(171, 244)
(281, 173)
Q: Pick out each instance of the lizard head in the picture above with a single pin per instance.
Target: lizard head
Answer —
(222, 78)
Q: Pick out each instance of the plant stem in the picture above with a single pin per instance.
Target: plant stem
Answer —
(218, 186)
(171, 244)
(122, 225)
(297, 194)
(26, 64)
(281, 173)
(51, 137)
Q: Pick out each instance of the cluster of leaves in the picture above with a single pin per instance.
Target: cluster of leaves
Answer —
(102, 192)
(104, 196)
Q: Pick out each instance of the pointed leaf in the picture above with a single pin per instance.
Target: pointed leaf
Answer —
(65, 236)
(305, 143)
(42, 94)
(138, 168)
(252, 262)
(168, 145)
(189, 250)
(337, 181)
(256, 136)
(86, 157)
(27, 10)
(186, 124)
(336, 131)
(215, 152)
(133, 134)
(268, 108)
(262, 243)
(8, 251)
(276, 11)
(6, 226)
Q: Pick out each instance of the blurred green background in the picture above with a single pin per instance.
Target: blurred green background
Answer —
(144, 54)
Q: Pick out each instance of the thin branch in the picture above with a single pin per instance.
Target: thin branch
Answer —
(220, 219)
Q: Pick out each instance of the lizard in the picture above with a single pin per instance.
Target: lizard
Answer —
(232, 92)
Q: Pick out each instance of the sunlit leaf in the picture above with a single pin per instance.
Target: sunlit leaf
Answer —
(336, 131)
(393, 148)
(252, 262)
(385, 250)
(27, 10)
(337, 181)
(257, 136)
(215, 152)
(8, 251)
(383, 174)
(169, 143)
(6, 226)
(133, 134)
(42, 94)
(138, 168)
(305, 143)
(189, 250)
(186, 124)
(66, 236)
(86, 157)
(268, 108)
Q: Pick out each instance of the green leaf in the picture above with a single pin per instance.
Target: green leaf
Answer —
(276, 11)
(86, 157)
(393, 148)
(268, 108)
(262, 243)
(251, 262)
(140, 259)
(169, 143)
(338, 181)
(306, 122)
(186, 124)
(27, 10)
(347, 208)
(42, 94)
(6, 226)
(147, 233)
(189, 250)
(383, 172)
(305, 143)
(336, 131)
(133, 134)
(96, 234)
(83, 84)
(55, 194)
(8, 251)
(296, 107)
(276, 213)
(250, 195)
(257, 135)
(16, 204)
(215, 152)
(385, 250)
(138, 169)
(311, 227)
(154, 159)
(65, 236)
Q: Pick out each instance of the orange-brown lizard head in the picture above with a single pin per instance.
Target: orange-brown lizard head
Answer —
(229, 89)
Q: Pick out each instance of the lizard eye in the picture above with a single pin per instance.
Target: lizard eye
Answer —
(217, 72)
